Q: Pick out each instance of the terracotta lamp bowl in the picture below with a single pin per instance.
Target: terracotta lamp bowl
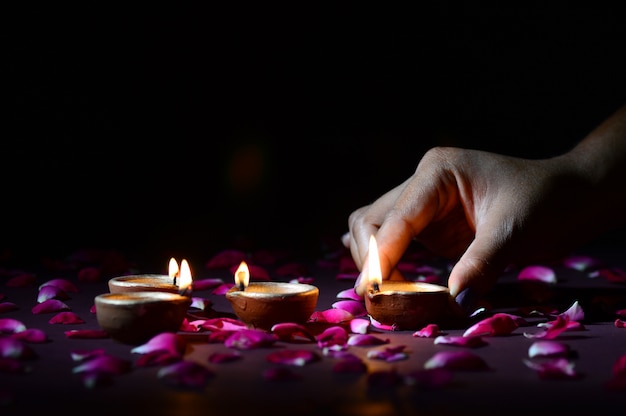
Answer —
(135, 317)
(264, 304)
(142, 283)
(408, 305)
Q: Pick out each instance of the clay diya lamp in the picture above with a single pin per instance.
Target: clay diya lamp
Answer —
(135, 317)
(149, 282)
(404, 305)
(264, 304)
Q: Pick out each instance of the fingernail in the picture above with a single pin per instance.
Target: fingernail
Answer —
(467, 300)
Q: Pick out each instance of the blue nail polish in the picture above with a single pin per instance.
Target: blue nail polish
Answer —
(467, 300)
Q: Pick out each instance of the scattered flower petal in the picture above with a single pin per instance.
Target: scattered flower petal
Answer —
(247, 339)
(349, 294)
(429, 331)
(157, 358)
(89, 274)
(558, 368)
(389, 354)
(225, 259)
(86, 334)
(21, 280)
(200, 303)
(292, 357)
(382, 326)
(11, 326)
(165, 341)
(580, 262)
(51, 292)
(497, 325)
(613, 274)
(204, 284)
(66, 318)
(332, 315)
(8, 306)
(83, 355)
(14, 348)
(360, 326)
(31, 335)
(185, 374)
(104, 363)
(548, 348)
(575, 312)
(472, 341)
(222, 289)
(63, 284)
(354, 307)
(334, 335)
(223, 324)
(538, 274)
(462, 360)
(292, 332)
(50, 305)
(554, 330)
(366, 340)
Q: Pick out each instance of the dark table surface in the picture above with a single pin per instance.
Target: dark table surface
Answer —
(239, 387)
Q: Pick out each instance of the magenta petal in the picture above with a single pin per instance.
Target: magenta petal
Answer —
(83, 355)
(7, 306)
(496, 325)
(575, 312)
(51, 292)
(217, 357)
(107, 364)
(429, 331)
(558, 368)
(50, 305)
(389, 354)
(86, 334)
(21, 280)
(537, 273)
(473, 341)
(555, 328)
(14, 348)
(614, 274)
(223, 324)
(225, 259)
(619, 366)
(332, 315)
(548, 348)
(94, 379)
(222, 289)
(360, 325)
(63, 284)
(280, 374)
(292, 357)
(334, 335)
(291, 332)
(385, 327)
(186, 374)
(366, 340)
(456, 360)
(200, 303)
(349, 294)
(165, 341)
(66, 318)
(247, 339)
(11, 326)
(157, 358)
(354, 307)
(32, 335)
(581, 263)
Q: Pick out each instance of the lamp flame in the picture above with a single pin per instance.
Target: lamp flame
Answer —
(186, 281)
(242, 276)
(373, 262)
(174, 271)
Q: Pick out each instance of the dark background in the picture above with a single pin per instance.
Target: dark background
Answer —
(188, 129)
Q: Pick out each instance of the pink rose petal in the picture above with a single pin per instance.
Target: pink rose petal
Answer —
(11, 326)
(301, 279)
(51, 292)
(292, 357)
(185, 374)
(31, 335)
(223, 324)
(366, 340)
(496, 325)
(354, 307)
(389, 354)
(292, 332)
(222, 289)
(349, 294)
(84, 355)
(554, 330)
(204, 284)
(360, 325)
(63, 284)
(575, 312)
(558, 368)
(332, 315)
(247, 339)
(104, 363)
(200, 303)
(21, 280)
(384, 327)
(165, 341)
(462, 360)
(538, 274)
(581, 263)
(157, 359)
(472, 341)
(225, 259)
(86, 334)
(66, 318)
(50, 305)
(614, 274)
(548, 348)
(14, 348)
(619, 366)
(429, 331)
(334, 335)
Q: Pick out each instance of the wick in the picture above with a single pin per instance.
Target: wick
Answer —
(375, 287)
(185, 290)
(241, 287)
(174, 280)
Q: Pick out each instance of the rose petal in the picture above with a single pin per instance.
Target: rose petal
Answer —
(222, 289)
(165, 341)
(104, 363)
(301, 279)
(389, 354)
(292, 357)
(462, 360)
(558, 368)
(354, 307)
(538, 274)
(157, 358)
(21, 280)
(614, 274)
(472, 341)
(84, 355)
(293, 269)
(548, 348)
(334, 335)
(496, 325)
(186, 374)
(51, 292)
(31, 335)
(247, 339)
(14, 348)
(225, 259)
(66, 318)
(11, 326)
(384, 327)
(619, 366)
(332, 315)
(292, 332)
(349, 294)
(203, 284)
(554, 330)
(429, 331)
(575, 312)
(359, 325)
(86, 334)
(581, 263)
(50, 305)
(63, 284)
(223, 324)
(200, 303)
(366, 340)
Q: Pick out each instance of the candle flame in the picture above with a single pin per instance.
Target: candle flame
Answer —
(186, 280)
(373, 263)
(242, 276)
(174, 271)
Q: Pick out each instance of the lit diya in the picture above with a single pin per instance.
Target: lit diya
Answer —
(404, 305)
(133, 317)
(264, 304)
(148, 282)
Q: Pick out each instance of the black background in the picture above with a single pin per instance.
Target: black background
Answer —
(190, 128)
